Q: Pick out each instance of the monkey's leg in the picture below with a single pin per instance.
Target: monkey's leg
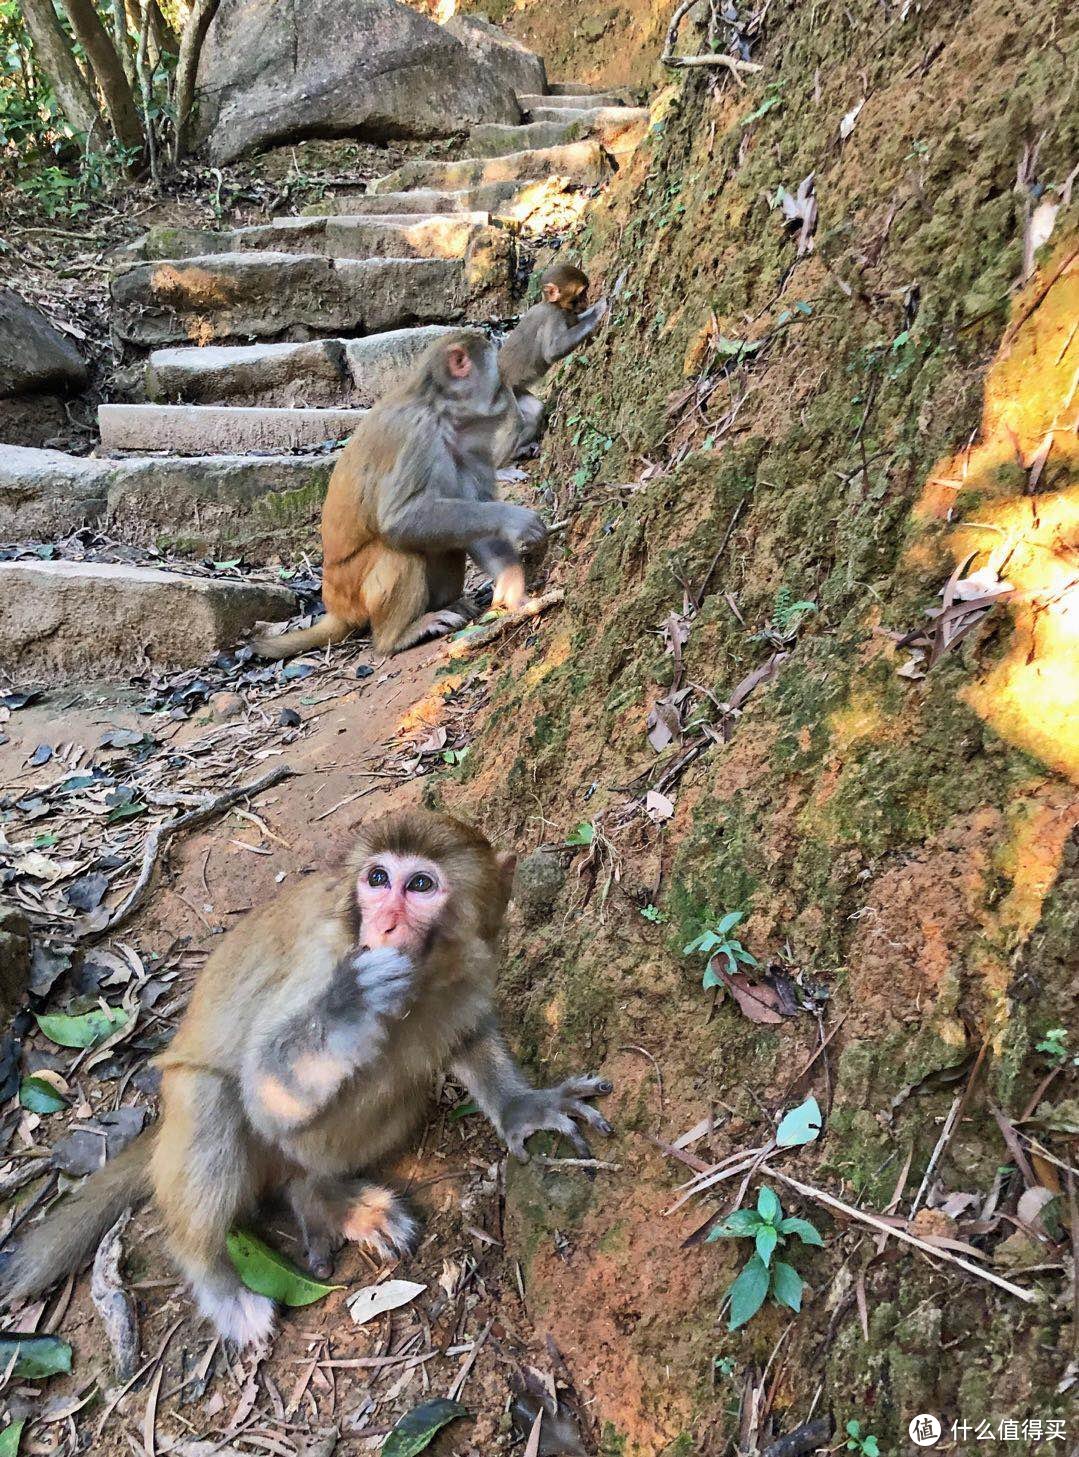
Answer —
(331, 1211)
(206, 1175)
(449, 606)
(531, 411)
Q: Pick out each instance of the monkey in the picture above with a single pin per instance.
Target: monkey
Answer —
(413, 493)
(547, 332)
(304, 1059)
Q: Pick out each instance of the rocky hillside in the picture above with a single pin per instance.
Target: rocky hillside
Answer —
(836, 405)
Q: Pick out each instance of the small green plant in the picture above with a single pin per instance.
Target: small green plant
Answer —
(717, 941)
(763, 1275)
(1054, 1047)
(867, 1445)
(724, 1365)
(584, 834)
(455, 756)
(654, 914)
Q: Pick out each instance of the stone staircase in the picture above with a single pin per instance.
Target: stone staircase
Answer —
(257, 349)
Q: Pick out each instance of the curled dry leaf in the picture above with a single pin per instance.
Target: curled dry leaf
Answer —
(113, 1304)
(373, 1300)
(658, 807)
(758, 1002)
(846, 126)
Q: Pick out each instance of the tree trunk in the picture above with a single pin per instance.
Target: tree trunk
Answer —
(108, 71)
(54, 55)
(202, 12)
(122, 42)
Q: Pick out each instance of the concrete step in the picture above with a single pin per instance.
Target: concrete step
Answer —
(206, 504)
(243, 296)
(618, 129)
(572, 88)
(509, 201)
(341, 372)
(581, 162)
(569, 99)
(448, 235)
(221, 429)
(62, 619)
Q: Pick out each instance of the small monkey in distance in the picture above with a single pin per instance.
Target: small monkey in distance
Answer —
(547, 332)
(413, 494)
(306, 1056)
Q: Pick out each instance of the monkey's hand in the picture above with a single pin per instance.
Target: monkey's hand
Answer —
(524, 527)
(384, 980)
(555, 1109)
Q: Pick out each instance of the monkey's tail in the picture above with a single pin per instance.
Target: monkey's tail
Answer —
(68, 1236)
(326, 630)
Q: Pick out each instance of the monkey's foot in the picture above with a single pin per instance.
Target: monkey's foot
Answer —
(379, 1221)
(438, 624)
(510, 590)
(554, 1110)
(241, 1316)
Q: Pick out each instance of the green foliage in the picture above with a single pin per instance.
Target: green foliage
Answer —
(1054, 1047)
(584, 834)
(266, 1272)
(82, 1031)
(418, 1428)
(654, 914)
(763, 1275)
(867, 1445)
(717, 941)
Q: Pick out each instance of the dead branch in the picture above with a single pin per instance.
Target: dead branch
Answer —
(668, 58)
(165, 831)
(478, 637)
(806, 1438)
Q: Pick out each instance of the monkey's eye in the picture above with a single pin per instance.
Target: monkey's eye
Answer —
(377, 877)
(421, 883)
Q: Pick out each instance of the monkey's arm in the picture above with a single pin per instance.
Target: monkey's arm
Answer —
(427, 522)
(294, 1071)
(557, 343)
(517, 1109)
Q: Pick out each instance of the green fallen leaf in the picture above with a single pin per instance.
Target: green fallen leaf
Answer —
(35, 1357)
(267, 1272)
(38, 1096)
(800, 1125)
(465, 1110)
(417, 1428)
(86, 1030)
(10, 1438)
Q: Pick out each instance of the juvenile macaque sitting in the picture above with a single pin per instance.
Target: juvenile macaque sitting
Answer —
(547, 332)
(307, 1055)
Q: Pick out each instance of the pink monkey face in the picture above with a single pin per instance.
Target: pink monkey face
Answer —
(401, 899)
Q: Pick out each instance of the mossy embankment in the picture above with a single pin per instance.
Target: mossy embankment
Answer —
(842, 426)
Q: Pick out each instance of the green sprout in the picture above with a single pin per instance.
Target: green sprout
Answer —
(763, 1275)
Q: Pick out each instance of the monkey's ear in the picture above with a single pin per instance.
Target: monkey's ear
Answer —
(551, 293)
(458, 361)
(507, 864)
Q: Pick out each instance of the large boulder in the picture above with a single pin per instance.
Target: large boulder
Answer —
(274, 72)
(33, 355)
(38, 368)
(516, 64)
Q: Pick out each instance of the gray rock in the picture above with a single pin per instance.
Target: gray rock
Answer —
(581, 162)
(265, 374)
(329, 233)
(63, 618)
(45, 494)
(273, 72)
(33, 355)
(263, 295)
(519, 67)
(537, 883)
(221, 429)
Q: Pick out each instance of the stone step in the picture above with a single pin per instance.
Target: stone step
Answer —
(569, 99)
(65, 618)
(618, 129)
(221, 429)
(571, 88)
(581, 162)
(511, 201)
(223, 296)
(204, 503)
(431, 235)
(342, 372)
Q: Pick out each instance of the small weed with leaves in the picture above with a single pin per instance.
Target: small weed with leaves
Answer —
(867, 1445)
(584, 834)
(788, 616)
(654, 914)
(1054, 1047)
(717, 941)
(762, 1275)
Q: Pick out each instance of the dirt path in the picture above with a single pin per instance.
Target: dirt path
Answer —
(355, 753)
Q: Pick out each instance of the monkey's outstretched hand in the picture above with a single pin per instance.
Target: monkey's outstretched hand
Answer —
(555, 1109)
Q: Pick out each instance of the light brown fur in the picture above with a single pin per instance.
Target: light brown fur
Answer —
(413, 493)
